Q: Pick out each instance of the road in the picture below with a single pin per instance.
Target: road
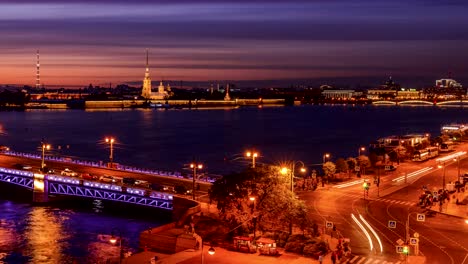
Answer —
(7, 161)
(442, 239)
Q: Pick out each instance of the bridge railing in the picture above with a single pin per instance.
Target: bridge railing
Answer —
(175, 174)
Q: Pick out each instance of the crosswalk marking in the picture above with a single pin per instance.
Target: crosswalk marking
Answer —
(360, 261)
(368, 260)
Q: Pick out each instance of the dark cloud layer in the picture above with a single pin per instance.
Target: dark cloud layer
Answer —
(235, 39)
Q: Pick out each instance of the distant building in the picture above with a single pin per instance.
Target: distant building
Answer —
(342, 94)
(376, 94)
(448, 83)
(146, 91)
(410, 94)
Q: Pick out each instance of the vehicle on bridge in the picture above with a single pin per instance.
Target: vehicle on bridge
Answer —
(87, 176)
(107, 178)
(68, 172)
(142, 183)
(22, 166)
(129, 181)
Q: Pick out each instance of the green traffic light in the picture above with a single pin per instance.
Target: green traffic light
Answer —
(405, 250)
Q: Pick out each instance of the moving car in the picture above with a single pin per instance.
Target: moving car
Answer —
(68, 172)
(142, 183)
(107, 178)
(22, 166)
(88, 176)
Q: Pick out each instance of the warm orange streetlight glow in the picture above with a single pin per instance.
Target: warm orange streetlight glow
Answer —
(200, 166)
(211, 251)
(113, 240)
(110, 140)
(252, 199)
(253, 155)
(303, 169)
(284, 170)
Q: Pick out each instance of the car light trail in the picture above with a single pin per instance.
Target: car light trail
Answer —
(451, 156)
(412, 174)
(363, 230)
(373, 232)
(348, 184)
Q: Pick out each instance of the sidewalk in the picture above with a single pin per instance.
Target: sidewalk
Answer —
(223, 256)
(452, 209)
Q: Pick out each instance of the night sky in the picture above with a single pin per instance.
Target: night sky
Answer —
(101, 41)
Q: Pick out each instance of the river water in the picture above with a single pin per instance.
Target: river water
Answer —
(166, 140)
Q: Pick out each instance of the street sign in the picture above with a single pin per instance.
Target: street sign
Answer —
(357, 168)
(399, 249)
(391, 224)
(421, 217)
(400, 242)
(413, 241)
(329, 224)
(416, 234)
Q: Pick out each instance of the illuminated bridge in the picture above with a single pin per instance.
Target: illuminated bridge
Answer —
(422, 102)
(45, 185)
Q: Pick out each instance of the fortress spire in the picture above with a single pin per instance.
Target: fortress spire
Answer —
(146, 91)
(38, 76)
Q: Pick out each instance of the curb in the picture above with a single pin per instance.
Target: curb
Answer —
(452, 215)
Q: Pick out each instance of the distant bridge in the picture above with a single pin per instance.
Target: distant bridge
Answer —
(43, 185)
(422, 102)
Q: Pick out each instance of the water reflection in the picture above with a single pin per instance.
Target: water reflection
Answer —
(43, 234)
(73, 232)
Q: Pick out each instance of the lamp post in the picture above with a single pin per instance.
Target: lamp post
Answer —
(443, 178)
(325, 157)
(194, 166)
(253, 155)
(458, 164)
(44, 147)
(211, 252)
(252, 209)
(284, 171)
(111, 141)
(361, 149)
(113, 240)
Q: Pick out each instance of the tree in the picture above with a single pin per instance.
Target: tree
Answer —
(364, 162)
(274, 205)
(341, 165)
(352, 162)
(329, 169)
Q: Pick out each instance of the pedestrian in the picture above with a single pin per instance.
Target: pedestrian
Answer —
(320, 259)
(333, 258)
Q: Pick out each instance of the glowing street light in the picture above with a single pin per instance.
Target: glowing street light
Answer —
(326, 156)
(361, 149)
(111, 142)
(113, 241)
(253, 155)
(195, 166)
(44, 147)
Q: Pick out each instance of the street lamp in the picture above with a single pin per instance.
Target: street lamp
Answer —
(111, 141)
(211, 252)
(194, 166)
(361, 149)
(284, 171)
(44, 147)
(252, 155)
(325, 157)
(457, 159)
(113, 241)
(443, 178)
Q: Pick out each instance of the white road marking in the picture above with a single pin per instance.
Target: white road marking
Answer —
(353, 259)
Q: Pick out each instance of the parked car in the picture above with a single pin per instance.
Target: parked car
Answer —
(87, 176)
(68, 172)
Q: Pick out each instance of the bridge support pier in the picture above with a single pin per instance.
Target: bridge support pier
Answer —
(40, 190)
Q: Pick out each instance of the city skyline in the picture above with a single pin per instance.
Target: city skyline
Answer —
(105, 41)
